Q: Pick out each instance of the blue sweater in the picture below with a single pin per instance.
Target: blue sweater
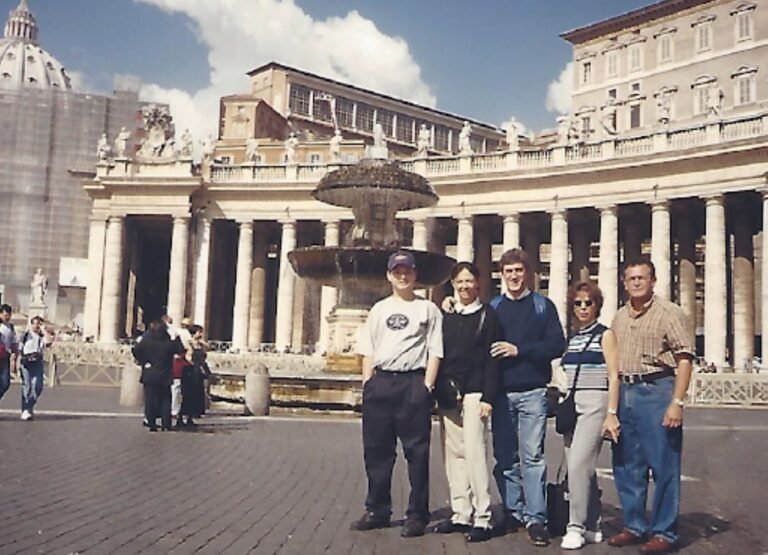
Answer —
(539, 339)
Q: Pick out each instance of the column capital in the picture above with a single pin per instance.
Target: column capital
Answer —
(658, 204)
(181, 219)
(245, 224)
(511, 217)
(287, 222)
(464, 218)
(116, 219)
(716, 198)
(558, 213)
(330, 223)
(609, 209)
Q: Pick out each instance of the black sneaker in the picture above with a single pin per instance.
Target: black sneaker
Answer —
(538, 535)
(450, 527)
(413, 528)
(370, 521)
(476, 535)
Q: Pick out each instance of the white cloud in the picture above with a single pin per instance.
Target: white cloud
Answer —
(521, 128)
(559, 91)
(243, 34)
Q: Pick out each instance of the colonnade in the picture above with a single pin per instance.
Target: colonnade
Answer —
(569, 259)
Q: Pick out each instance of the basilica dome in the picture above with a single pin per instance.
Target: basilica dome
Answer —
(23, 63)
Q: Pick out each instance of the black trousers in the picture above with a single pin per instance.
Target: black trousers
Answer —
(157, 403)
(397, 405)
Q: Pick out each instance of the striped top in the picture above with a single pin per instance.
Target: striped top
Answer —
(586, 347)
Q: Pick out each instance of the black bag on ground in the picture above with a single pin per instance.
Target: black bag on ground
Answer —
(558, 505)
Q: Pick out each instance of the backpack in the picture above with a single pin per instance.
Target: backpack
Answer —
(539, 303)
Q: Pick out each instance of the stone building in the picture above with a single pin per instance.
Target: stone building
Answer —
(687, 188)
(46, 130)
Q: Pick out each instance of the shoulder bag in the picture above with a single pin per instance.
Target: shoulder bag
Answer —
(565, 413)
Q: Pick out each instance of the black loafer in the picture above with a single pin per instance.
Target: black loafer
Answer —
(450, 527)
(413, 528)
(476, 535)
(538, 535)
(370, 521)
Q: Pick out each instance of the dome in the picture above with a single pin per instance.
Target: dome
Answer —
(23, 63)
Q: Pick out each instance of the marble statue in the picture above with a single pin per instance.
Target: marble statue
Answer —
(608, 119)
(291, 156)
(39, 288)
(208, 147)
(663, 109)
(423, 141)
(334, 147)
(563, 130)
(378, 136)
(465, 145)
(513, 131)
(158, 130)
(102, 148)
(251, 150)
(185, 149)
(714, 101)
(121, 142)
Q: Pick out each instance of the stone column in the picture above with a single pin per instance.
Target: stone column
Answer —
(532, 246)
(715, 290)
(464, 241)
(92, 308)
(202, 266)
(743, 293)
(113, 280)
(258, 288)
(329, 295)
(511, 237)
(687, 270)
(608, 272)
(558, 264)
(242, 311)
(285, 287)
(177, 274)
(660, 247)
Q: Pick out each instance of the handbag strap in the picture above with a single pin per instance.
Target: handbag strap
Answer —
(578, 366)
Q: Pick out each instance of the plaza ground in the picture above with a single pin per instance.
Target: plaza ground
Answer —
(86, 477)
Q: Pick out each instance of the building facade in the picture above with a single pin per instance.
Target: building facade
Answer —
(212, 244)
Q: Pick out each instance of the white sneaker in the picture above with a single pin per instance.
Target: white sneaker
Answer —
(26, 415)
(572, 540)
(593, 537)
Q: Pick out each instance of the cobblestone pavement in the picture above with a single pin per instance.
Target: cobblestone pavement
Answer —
(79, 479)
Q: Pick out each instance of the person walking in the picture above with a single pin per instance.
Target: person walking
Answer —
(531, 338)
(8, 348)
(401, 344)
(154, 354)
(655, 363)
(468, 332)
(590, 360)
(31, 351)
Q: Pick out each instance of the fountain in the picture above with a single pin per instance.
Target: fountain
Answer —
(375, 190)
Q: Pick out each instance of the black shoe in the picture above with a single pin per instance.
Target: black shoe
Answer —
(476, 535)
(450, 527)
(538, 535)
(511, 524)
(191, 423)
(179, 424)
(370, 521)
(152, 428)
(413, 528)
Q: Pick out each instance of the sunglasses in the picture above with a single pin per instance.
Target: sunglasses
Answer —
(583, 304)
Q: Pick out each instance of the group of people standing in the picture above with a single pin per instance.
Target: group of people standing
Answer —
(22, 353)
(628, 384)
(173, 371)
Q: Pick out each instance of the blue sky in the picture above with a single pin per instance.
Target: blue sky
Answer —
(488, 59)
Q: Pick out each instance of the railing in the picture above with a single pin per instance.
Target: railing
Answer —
(485, 162)
(739, 390)
(442, 166)
(312, 172)
(687, 138)
(584, 152)
(742, 129)
(634, 147)
(534, 158)
(88, 364)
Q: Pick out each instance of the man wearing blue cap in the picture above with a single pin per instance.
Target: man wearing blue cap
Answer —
(401, 345)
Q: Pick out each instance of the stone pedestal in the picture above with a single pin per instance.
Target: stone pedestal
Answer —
(344, 324)
(37, 309)
(131, 391)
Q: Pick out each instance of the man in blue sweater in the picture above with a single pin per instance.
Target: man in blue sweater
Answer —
(531, 338)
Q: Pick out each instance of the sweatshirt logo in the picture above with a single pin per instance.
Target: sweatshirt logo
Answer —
(397, 321)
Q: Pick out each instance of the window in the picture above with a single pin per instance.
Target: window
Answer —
(612, 64)
(744, 90)
(612, 94)
(586, 126)
(665, 49)
(385, 118)
(315, 158)
(743, 26)
(364, 117)
(636, 57)
(345, 110)
(321, 106)
(634, 116)
(745, 85)
(404, 128)
(440, 138)
(634, 88)
(298, 100)
(703, 37)
(586, 73)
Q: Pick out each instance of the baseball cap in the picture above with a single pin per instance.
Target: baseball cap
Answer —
(401, 258)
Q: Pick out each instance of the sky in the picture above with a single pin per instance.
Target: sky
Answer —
(488, 60)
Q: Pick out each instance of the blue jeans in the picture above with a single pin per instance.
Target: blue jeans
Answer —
(5, 375)
(31, 384)
(519, 428)
(646, 444)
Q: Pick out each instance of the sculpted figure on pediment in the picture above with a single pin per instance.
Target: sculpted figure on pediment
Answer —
(159, 131)
(121, 142)
(185, 149)
(103, 149)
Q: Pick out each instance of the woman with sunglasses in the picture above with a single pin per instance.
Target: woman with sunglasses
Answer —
(592, 352)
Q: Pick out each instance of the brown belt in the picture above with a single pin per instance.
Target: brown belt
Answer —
(650, 377)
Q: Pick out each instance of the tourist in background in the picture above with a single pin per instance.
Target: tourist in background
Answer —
(193, 377)
(31, 350)
(590, 359)
(180, 364)
(8, 348)
(469, 370)
(155, 354)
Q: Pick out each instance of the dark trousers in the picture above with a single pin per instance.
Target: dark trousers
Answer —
(5, 375)
(157, 403)
(397, 405)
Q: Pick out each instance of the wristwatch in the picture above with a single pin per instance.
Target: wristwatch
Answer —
(614, 412)
(679, 402)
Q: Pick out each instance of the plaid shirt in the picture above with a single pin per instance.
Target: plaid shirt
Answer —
(651, 338)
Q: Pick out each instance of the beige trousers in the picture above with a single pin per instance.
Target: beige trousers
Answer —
(464, 441)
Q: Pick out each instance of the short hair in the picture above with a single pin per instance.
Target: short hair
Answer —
(515, 256)
(194, 328)
(38, 319)
(157, 328)
(6, 308)
(589, 287)
(640, 261)
(468, 266)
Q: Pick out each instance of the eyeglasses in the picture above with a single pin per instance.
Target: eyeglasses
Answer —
(583, 304)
